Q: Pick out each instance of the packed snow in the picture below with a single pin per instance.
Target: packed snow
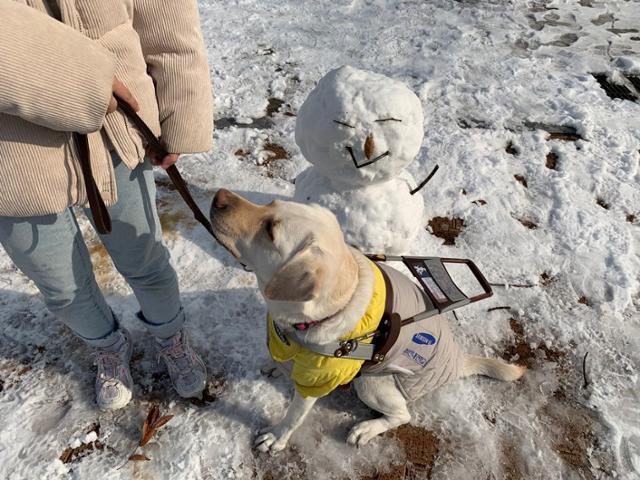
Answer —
(381, 217)
(553, 219)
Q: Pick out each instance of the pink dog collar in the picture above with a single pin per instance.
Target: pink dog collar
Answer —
(304, 326)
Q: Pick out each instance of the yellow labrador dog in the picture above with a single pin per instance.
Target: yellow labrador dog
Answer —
(319, 291)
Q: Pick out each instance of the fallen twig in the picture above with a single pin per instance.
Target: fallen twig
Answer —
(498, 308)
(515, 285)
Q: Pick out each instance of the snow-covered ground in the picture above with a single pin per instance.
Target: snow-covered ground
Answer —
(568, 228)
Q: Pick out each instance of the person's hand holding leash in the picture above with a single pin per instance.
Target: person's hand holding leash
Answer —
(165, 162)
(120, 89)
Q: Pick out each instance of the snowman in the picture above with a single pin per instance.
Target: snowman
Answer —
(359, 130)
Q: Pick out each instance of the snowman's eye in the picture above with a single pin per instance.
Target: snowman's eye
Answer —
(390, 119)
(343, 123)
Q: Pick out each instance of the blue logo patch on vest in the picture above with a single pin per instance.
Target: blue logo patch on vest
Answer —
(424, 338)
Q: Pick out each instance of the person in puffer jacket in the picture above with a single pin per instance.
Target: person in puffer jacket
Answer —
(61, 62)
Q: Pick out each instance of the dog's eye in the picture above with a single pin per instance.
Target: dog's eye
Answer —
(269, 225)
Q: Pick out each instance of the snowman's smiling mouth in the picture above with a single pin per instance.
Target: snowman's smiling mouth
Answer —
(369, 162)
(369, 145)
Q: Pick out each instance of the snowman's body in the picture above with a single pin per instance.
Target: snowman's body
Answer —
(380, 217)
(360, 130)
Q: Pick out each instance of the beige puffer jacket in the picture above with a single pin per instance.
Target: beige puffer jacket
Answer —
(56, 77)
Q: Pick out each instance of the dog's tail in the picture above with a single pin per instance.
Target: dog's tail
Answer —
(491, 367)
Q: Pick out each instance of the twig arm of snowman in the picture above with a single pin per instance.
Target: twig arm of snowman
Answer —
(425, 181)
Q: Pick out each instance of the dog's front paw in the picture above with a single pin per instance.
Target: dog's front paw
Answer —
(271, 440)
(364, 431)
(271, 370)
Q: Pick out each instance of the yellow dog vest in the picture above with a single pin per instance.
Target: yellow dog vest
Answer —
(317, 375)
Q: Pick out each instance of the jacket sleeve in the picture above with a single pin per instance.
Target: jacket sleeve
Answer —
(175, 54)
(50, 74)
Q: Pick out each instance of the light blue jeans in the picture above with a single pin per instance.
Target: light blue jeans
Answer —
(50, 251)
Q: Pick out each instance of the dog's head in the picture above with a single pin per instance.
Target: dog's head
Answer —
(297, 252)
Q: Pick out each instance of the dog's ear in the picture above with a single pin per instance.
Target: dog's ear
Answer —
(300, 280)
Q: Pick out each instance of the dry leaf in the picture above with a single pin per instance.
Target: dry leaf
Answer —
(154, 413)
(162, 422)
(139, 458)
(147, 426)
(147, 437)
(152, 423)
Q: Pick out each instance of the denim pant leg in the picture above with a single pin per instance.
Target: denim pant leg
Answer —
(136, 248)
(50, 251)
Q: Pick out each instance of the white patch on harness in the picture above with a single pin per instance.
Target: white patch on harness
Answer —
(416, 357)
(434, 289)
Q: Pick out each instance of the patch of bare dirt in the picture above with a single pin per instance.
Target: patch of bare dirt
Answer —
(275, 152)
(70, 455)
(551, 161)
(579, 437)
(446, 228)
(215, 386)
(522, 180)
(421, 448)
(531, 225)
(603, 203)
(273, 106)
(631, 218)
(512, 462)
(526, 351)
(170, 219)
(511, 149)
(584, 301)
(240, 153)
(287, 465)
(546, 279)
(106, 274)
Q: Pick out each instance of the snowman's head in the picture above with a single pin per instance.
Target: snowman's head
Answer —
(360, 127)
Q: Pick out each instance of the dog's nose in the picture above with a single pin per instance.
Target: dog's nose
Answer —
(222, 199)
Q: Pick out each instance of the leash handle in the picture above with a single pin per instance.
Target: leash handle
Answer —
(158, 148)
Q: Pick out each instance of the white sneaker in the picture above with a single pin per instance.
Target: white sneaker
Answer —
(187, 371)
(114, 383)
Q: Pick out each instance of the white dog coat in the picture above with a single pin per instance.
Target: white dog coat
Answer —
(425, 356)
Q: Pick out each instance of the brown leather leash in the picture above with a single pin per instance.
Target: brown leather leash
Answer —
(101, 217)
(99, 211)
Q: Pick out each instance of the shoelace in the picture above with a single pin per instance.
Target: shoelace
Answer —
(176, 355)
(107, 363)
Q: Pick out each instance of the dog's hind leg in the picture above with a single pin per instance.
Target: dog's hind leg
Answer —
(380, 393)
